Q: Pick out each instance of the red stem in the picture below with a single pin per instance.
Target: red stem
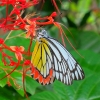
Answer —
(12, 70)
(56, 6)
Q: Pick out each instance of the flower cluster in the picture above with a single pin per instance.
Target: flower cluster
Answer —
(13, 18)
(14, 21)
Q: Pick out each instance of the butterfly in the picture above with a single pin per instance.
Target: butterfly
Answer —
(50, 60)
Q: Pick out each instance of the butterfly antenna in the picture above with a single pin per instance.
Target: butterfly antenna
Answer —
(70, 42)
(54, 3)
(60, 29)
(68, 31)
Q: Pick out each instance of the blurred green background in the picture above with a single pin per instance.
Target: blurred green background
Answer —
(82, 18)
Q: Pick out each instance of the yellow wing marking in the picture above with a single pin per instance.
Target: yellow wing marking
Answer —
(36, 56)
(39, 56)
(45, 44)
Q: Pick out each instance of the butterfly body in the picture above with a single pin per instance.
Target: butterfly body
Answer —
(50, 61)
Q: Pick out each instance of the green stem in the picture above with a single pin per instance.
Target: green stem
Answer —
(8, 35)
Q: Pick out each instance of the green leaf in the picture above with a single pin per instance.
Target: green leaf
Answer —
(2, 73)
(90, 60)
(16, 33)
(2, 8)
(17, 83)
(85, 40)
(89, 40)
(83, 6)
(84, 19)
(18, 41)
(31, 85)
(46, 95)
(3, 82)
(8, 93)
(71, 23)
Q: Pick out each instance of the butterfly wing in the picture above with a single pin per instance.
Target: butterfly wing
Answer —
(52, 61)
(65, 66)
(42, 66)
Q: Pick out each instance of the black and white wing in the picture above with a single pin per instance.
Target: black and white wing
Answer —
(66, 69)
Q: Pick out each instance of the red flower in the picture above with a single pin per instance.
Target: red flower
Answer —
(18, 51)
(30, 28)
(27, 62)
(1, 41)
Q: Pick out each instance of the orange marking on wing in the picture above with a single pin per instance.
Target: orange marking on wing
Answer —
(51, 72)
(48, 79)
(33, 70)
(40, 79)
(36, 74)
(45, 81)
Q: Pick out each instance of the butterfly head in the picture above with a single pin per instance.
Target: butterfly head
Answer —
(40, 33)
